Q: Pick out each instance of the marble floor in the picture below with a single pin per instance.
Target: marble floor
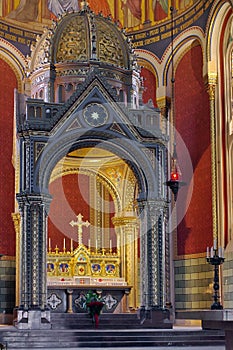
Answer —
(153, 348)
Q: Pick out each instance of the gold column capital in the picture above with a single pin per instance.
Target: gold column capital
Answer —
(163, 101)
(211, 84)
(212, 78)
(16, 220)
(124, 220)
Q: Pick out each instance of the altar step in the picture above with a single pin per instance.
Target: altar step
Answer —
(70, 339)
(108, 321)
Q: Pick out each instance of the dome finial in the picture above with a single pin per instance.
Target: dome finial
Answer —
(84, 5)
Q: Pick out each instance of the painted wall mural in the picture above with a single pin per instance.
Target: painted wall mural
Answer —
(129, 13)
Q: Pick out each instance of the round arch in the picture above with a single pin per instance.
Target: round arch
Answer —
(220, 48)
(219, 13)
(103, 179)
(10, 54)
(182, 43)
(129, 150)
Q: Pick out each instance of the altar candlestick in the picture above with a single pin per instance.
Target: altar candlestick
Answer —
(216, 259)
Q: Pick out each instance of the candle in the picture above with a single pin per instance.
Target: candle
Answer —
(89, 244)
(64, 244)
(110, 244)
(208, 252)
(96, 244)
(49, 243)
(211, 252)
(71, 245)
(215, 244)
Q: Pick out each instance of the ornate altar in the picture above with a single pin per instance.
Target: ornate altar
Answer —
(84, 267)
(71, 274)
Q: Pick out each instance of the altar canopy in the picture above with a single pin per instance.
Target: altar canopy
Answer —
(92, 199)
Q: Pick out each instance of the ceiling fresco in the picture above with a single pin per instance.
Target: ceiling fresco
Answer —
(147, 22)
(131, 14)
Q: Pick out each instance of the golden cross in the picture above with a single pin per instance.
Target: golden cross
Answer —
(80, 223)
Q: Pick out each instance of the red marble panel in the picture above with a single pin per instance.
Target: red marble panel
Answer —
(8, 83)
(149, 82)
(193, 123)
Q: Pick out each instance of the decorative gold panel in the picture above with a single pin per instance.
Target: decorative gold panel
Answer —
(83, 262)
(73, 42)
(109, 46)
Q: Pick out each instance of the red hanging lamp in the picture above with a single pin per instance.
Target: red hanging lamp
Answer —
(175, 182)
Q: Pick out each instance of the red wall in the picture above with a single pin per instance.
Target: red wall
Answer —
(193, 123)
(149, 82)
(8, 83)
(66, 204)
(71, 197)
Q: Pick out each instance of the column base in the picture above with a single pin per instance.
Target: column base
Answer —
(155, 318)
(33, 319)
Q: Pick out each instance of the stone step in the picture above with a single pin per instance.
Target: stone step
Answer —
(83, 321)
(106, 321)
(54, 339)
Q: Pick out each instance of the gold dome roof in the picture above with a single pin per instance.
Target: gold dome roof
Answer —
(83, 37)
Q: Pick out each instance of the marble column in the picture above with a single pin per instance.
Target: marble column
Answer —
(127, 232)
(32, 311)
(154, 255)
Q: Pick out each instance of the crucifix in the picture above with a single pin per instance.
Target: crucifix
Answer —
(80, 223)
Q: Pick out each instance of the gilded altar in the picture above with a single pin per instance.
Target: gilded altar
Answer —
(70, 274)
(84, 267)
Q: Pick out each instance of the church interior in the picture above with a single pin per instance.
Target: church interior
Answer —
(116, 162)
